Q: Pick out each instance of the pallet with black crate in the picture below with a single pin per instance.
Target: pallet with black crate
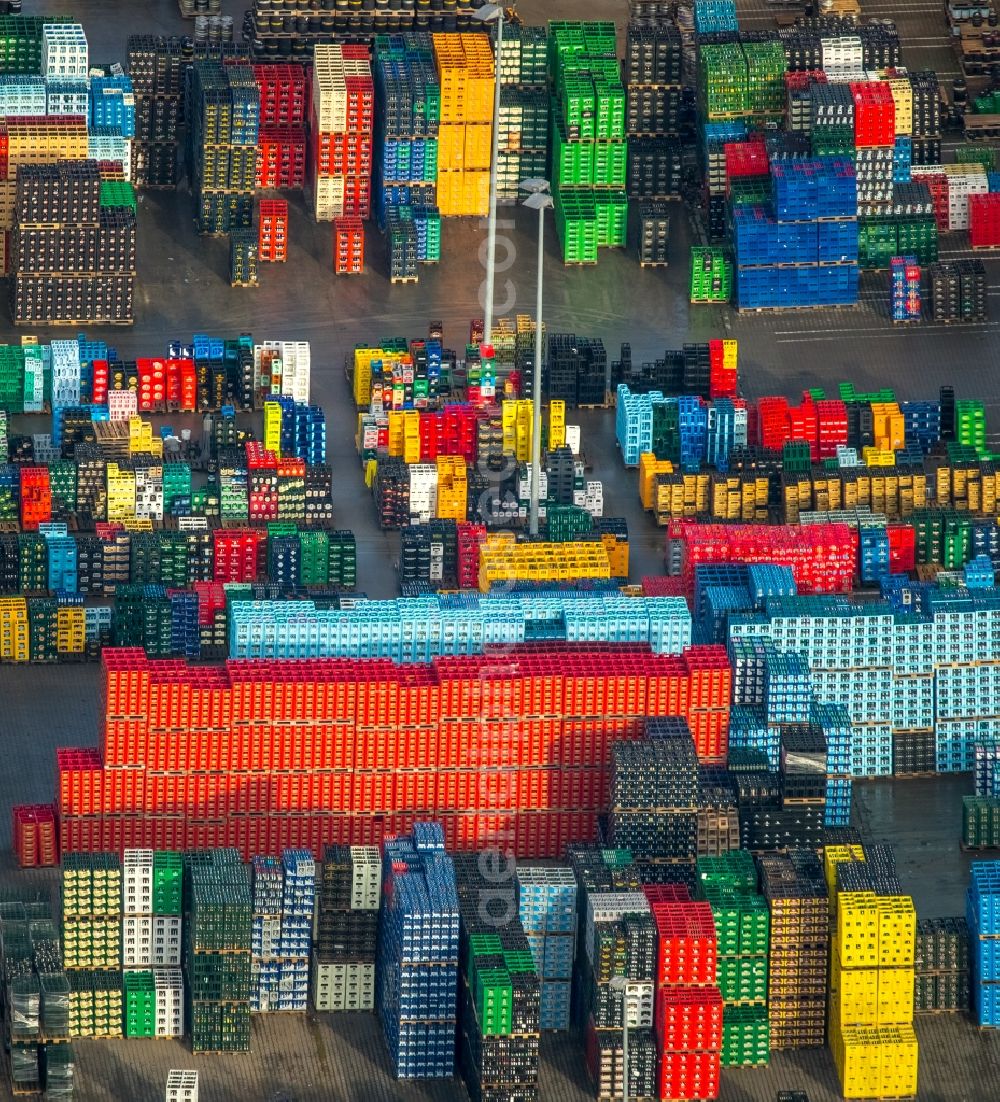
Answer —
(404, 279)
(76, 321)
(796, 309)
(916, 776)
(966, 848)
(959, 321)
(906, 321)
(654, 263)
(944, 1010)
(243, 283)
(580, 263)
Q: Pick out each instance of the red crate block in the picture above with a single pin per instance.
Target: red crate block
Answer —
(874, 114)
(283, 94)
(688, 1075)
(902, 547)
(349, 249)
(984, 221)
(281, 157)
(688, 1018)
(744, 159)
(686, 942)
(34, 834)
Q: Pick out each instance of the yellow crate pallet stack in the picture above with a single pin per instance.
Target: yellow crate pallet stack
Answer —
(649, 468)
(373, 367)
(517, 424)
(71, 629)
(557, 424)
(141, 440)
(452, 488)
(14, 633)
(680, 494)
(465, 140)
(272, 427)
(870, 1010)
(121, 493)
(502, 559)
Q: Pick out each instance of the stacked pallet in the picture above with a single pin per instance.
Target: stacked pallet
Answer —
(344, 951)
(547, 906)
(941, 966)
(284, 896)
(522, 143)
(156, 66)
(653, 85)
(281, 147)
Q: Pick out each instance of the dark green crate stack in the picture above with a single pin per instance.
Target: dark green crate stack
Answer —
(742, 927)
(217, 950)
(981, 822)
(21, 41)
(159, 558)
(941, 965)
(523, 138)
(33, 562)
(91, 910)
(567, 523)
(589, 153)
(62, 482)
(140, 1004)
(881, 237)
(142, 617)
(243, 270)
(43, 629)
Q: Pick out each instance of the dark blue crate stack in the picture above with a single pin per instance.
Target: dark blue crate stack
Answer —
(873, 553)
(693, 418)
(984, 539)
(902, 160)
(804, 252)
(407, 99)
(749, 730)
(835, 722)
(185, 637)
(987, 768)
(982, 912)
(721, 434)
(788, 689)
(719, 601)
(979, 573)
(711, 574)
(416, 975)
(112, 104)
(284, 560)
(303, 430)
(547, 906)
(767, 580)
(922, 423)
(993, 181)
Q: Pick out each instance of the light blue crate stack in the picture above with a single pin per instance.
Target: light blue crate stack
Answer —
(284, 897)
(982, 912)
(634, 422)
(420, 629)
(835, 722)
(749, 730)
(547, 908)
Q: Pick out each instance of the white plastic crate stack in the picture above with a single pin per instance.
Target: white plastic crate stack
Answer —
(64, 51)
(423, 492)
(65, 373)
(604, 908)
(149, 493)
(103, 144)
(66, 96)
(289, 371)
(591, 498)
(268, 885)
(343, 971)
(123, 405)
(843, 58)
(148, 940)
(970, 180)
(547, 907)
(182, 1086)
(23, 94)
(169, 987)
(284, 896)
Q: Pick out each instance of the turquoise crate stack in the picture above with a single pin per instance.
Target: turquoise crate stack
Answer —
(982, 912)
(686, 429)
(548, 910)
(284, 898)
(416, 977)
(418, 629)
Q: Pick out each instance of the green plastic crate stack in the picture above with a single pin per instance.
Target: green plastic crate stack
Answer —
(981, 822)
(576, 225)
(33, 396)
(742, 926)
(168, 882)
(33, 562)
(217, 960)
(91, 907)
(918, 236)
(711, 275)
(314, 558)
(723, 86)
(612, 217)
(970, 424)
(523, 138)
(140, 1004)
(987, 104)
(765, 67)
(11, 378)
(159, 558)
(976, 155)
(4, 434)
(58, 1069)
(141, 619)
(233, 500)
(524, 57)
(96, 1006)
(42, 613)
(796, 458)
(343, 568)
(878, 242)
(176, 486)
(117, 193)
(832, 138)
(62, 482)
(567, 522)
(749, 191)
(21, 41)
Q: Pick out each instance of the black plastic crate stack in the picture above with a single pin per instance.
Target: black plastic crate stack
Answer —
(344, 948)
(497, 1059)
(718, 817)
(913, 753)
(429, 553)
(217, 949)
(392, 494)
(74, 261)
(652, 76)
(958, 291)
(401, 247)
(941, 965)
(654, 233)
(318, 495)
(926, 147)
(654, 796)
(224, 117)
(243, 258)
(156, 66)
(574, 371)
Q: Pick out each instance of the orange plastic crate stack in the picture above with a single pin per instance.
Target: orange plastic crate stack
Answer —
(35, 836)
(273, 231)
(348, 246)
(36, 498)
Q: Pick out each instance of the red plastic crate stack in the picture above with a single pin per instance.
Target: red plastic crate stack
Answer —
(511, 749)
(802, 425)
(3, 151)
(937, 185)
(470, 538)
(769, 423)
(342, 111)
(36, 498)
(984, 221)
(34, 833)
(211, 599)
(721, 379)
(281, 145)
(99, 383)
(665, 585)
(745, 159)
(237, 554)
(272, 243)
(348, 246)
(874, 114)
(687, 1013)
(831, 432)
(166, 386)
(902, 547)
(451, 431)
(822, 557)
(262, 482)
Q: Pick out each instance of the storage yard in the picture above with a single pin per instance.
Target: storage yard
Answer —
(311, 618)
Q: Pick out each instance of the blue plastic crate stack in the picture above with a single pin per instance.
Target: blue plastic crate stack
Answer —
(284, 895)
(905, 276)
(547, 906)
(982, 912)
(416, 978)
(417, 629)
(301, 431)
(800, 254)
(703, 430)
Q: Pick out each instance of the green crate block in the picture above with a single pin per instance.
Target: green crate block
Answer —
(742, 979)
(117, 193)
(610, 164)
(612, 218)
(711, 276)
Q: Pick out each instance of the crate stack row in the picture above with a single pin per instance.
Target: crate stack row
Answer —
(416, 976)
(344, 949)
(222, 145)
(284, 900)
(548, 909)
(522, 144)
(35, 996)
(408, 118)
(958, 291)
(218, 899)
(589, 151)
(338, 176)
(281, 143)
(156, 65)
(983, 918)
(499, 989)
(92, 910)
(872, 948)
(941, 966)
(652, 72)
(74, 246)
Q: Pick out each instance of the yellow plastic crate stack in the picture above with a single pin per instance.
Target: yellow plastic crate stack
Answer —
(678, 494)
(452, 488)
(14, 633)
(364, 358)
(739, 497)
(617, 554)
(121, 493)
(465, 139)
(902, 101)
(71, 629)
(649, 468)
(888, 429)
(516, 424)
(502, 559)
(141, 439)
(272, 427)
(871, 993)
(557, 424)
